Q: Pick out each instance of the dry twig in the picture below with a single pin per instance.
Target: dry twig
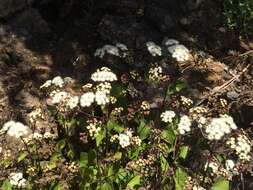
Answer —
(224, 86)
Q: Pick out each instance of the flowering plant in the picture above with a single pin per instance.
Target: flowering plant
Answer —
(108, 134)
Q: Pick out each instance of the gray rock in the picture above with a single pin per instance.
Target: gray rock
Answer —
(232, 95)
(162, 18)
(29, 24)
(125, 30)
(8, 7)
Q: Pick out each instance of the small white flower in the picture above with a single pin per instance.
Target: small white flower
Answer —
(154, 49)
(87, 99)
(103, 74)
(179, 52)
(58, 97)
(58, 81)
(110, 49)
(202, 122)
(169, 42)
(213, 166)
(37, 136)
(168, 116)
(186, 101)
(99, 53)
(16, 179)
(102, 98)
(155, 73)
(241, 145)
(124, 140)
(218, 127)
(48, 135)
(73, 102)
(184, 124)
(16, 129)
(230, 165)
(121, 46)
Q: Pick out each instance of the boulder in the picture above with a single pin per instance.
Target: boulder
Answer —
(8, 7)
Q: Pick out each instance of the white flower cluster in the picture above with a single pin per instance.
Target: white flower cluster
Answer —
(155, 73)
(218, 127)
(117, 111)
(100, 97)
(231, 167)
(168, 116)
(87, 99)
(58, 96)
(186, 101)
(66, 99)
(35, 115)
(39, 137)
(216, 169)
(56, 81)
(145, 106)
(184, 124)
(178, 51)
(17, 180)
(241, 145)
(72, 102)
(103, 74)
(154, 49)
(118, 50)
(15, 129)
(93, 129)
(101, 94)
(126, 139)
(49, 135)
(214, 166)
(191, 184)
(170, 42)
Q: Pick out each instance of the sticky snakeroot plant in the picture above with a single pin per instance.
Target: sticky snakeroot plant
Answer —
(108, 135)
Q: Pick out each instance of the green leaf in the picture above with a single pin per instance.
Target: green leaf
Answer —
(168, 135)
(143, 130)
(221, 184)
(121, 174)
(51, 165)
(22, 156)
(7, 185)
(180, 178)
(113, 125)
(84, 160)
(183, 151)
(100, 136)
(180, 84)
(61, 144)
(117, 155)
(105, 186)
(134, 181)
(92, 157)
(164, 164)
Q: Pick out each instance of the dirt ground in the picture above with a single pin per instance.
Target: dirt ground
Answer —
(45, 40)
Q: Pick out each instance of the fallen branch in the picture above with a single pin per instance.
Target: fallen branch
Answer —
(223, 86)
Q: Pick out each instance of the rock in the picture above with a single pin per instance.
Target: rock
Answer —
(232, 95)
(162, 18)
(26, 100)
(8, 7)
(29, 24)
(125, 30)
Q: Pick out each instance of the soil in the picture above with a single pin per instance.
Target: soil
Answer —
(45, 39)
